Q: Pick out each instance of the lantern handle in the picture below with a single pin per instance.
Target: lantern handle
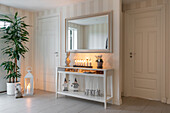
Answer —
(29, 67)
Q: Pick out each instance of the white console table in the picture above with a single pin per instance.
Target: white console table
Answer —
(104, 74)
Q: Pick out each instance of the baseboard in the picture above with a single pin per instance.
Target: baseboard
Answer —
(168, 101)
(117, 101)
(122, 93)
(3, 91)
(164, 100)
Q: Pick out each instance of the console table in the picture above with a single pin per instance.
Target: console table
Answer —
(104, 73)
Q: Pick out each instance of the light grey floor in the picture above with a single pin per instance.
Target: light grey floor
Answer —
(45, 102)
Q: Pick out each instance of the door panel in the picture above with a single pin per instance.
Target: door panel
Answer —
(152, 52)
(144, 42)
(138, 45)
(47, 45)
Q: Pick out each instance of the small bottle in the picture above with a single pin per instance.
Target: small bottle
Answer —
(81, 62)
(78, 62)
(75, 62)
(87, 62)
(90, 62)
(84, 62)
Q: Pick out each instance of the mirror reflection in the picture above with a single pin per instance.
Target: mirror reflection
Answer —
(88, 33)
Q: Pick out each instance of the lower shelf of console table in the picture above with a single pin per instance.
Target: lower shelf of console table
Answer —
(83, 96)
(106, 72)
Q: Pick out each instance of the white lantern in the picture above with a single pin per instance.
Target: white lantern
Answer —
(28, 83)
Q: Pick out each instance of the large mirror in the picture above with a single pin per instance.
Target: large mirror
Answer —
(89, 34)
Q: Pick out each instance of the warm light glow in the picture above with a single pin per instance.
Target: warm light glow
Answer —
(83, 62)
(75, 62)
(28, 86)
(28, 89)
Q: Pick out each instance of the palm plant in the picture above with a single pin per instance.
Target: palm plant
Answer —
(15, 37)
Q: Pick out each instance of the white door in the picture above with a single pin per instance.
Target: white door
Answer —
(2, 72)
(143, 54)
(47, 47)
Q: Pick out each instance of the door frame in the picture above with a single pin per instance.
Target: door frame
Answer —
(127, 76)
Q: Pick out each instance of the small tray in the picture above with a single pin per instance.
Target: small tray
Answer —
(89, 72)
(83, 66)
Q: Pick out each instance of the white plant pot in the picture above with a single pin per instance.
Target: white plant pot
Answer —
(11, 88)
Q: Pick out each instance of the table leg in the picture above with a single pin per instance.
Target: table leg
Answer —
(112, 88)
(105, 90)
(57, 76)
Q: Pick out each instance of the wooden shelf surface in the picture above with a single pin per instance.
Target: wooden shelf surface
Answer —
(94, 68)
(78, 73)
(83, 96)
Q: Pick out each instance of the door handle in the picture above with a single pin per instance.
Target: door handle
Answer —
(56, 53)
(131, 54)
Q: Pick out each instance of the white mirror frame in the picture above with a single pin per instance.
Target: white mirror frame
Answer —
(110, 34)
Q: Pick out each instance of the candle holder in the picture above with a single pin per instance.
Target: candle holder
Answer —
(86, 63)
(67, 60)
(28, 83)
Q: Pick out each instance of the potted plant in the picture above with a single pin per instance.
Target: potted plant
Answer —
(15, 36)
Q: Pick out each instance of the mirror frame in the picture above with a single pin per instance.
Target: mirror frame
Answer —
(110, 34)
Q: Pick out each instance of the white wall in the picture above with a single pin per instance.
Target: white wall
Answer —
(28, 61)
(95, 36)
(142, 4)
(91, 36)
(91, 7)
(96, 6)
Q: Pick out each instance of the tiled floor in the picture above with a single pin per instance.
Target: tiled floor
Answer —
(45, 102)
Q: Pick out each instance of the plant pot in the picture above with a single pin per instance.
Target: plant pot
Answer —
(11, 88)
